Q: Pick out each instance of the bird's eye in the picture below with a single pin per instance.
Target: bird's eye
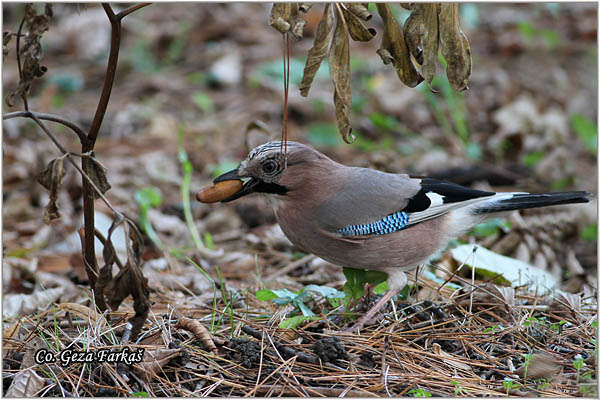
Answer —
(269, 167)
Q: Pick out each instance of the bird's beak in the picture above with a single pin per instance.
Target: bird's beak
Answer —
(247, 188)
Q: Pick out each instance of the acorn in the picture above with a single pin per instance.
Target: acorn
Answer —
(219, 191)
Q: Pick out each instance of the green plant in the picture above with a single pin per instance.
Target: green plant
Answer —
(451, 113)
(139, 394)
(418, 392)
(530, 32)
(586, 131)
(356, 279)
(590, 232)
(509, 384)
(298, 300)
(542, 383)
(493, 329)
(526, 362)
(186, 178)
(578, 365)
(558, 327)
(147, 198)
(458, 391)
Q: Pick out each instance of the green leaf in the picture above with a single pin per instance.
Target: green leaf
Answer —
(490, 227)
(532, 159)
(590, 232)
(323, 135)
(355, 282)
(148, 197)
(203, 102)
(527, 30)
(222, 167)
(140, 394)
(586, 131)
(328, 292)
(294, 322)
(375, 277)
(380, 288)
(307, 312)
(265, 295)
(473, 151)
(504, 269)
(208, 240)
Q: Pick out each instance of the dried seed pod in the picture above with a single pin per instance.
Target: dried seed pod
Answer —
(220, 191)
(455, 47)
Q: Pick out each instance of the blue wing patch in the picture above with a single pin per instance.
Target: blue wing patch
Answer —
(392, 223)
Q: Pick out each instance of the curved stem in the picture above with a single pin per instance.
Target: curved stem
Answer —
(50, 117)
(131, 9)
(18, 49)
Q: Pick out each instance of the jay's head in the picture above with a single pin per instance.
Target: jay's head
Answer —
(265, 172)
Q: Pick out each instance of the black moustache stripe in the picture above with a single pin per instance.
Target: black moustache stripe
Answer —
(271, 188)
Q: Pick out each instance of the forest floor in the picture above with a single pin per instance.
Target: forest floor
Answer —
(230, 313)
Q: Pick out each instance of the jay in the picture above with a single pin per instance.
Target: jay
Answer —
(364, 218)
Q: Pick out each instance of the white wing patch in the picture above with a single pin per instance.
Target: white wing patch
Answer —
(438, 208)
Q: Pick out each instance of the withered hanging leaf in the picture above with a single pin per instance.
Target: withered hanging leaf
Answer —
(285, 18)
(413, 33)
(319, 50)
(279, 14)
(339, 69)
(430, 40)
(407, 6)
(394, 49)
(360, 10)
(304, 7)
(6, 36)
(51, 178)
(98, 176)
(31, 50)
(358, 32)
(455, 47)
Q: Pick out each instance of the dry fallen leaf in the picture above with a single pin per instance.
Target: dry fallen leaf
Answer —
(319, 50)
(541, 365)
(449, 358)
(26, 383)
(154, 360)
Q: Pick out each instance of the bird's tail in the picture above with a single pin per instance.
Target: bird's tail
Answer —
(518, 201)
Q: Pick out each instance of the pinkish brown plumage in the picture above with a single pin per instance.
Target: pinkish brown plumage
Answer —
(363, 218)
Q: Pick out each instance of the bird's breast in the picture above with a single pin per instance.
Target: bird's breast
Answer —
(402, 249)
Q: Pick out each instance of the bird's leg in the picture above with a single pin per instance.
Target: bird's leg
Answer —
(373, 310)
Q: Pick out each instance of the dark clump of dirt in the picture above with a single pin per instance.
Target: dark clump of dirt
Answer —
(244, 351)
(330, 349)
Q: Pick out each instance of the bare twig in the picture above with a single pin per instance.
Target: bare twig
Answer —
(50, 117)
(122, 14)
